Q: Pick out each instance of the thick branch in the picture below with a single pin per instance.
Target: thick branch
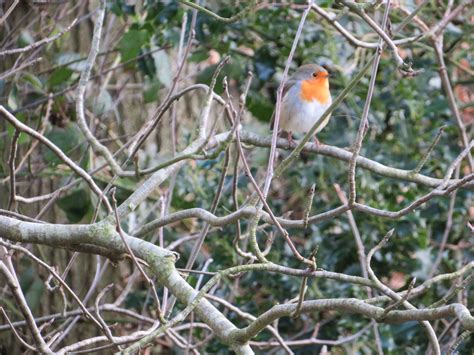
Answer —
(104, 234)
(345, 155)
(353, 305)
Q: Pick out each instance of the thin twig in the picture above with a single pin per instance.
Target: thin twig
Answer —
(81, 90)
(396, 297)
(135, 261)
(276, 123)
(11, 165)
(143, 134)
(39, 43)
(215, 202)
(362, 258)
(253, 4)
(233, 115)
(453, 349)
(54, 274)
(332, 20)
(15, 288)
(41, 130)
(380, 30)
(447, 229)
(363, 126)
(22, 66)
(313, 340)
(429, 150)
(456, 288)
(76, 168)
(108, 333)
(20, 339)
(309, 204)
(9, 11)
(303, 288)
(443, 73)
(396, 304)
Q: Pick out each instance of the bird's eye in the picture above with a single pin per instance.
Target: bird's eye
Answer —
(315, 75)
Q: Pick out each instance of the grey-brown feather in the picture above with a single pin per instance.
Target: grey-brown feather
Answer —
(286, 87)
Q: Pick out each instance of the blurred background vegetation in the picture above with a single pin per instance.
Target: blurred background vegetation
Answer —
(134, 70)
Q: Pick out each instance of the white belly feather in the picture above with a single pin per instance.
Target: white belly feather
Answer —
(297, 117)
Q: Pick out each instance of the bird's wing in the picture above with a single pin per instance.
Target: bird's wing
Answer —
(290, 82)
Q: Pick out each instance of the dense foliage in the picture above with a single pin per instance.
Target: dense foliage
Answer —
(134, 70)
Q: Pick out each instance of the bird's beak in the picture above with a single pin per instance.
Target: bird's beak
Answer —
(327, 75)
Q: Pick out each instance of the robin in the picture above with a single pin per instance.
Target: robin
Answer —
(305, 98)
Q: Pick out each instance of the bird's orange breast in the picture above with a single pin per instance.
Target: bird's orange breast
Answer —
(315, 89)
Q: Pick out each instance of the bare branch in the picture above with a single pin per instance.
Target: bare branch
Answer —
(76, 168)
(81, 90)
(22, 66)
(23, 306)
(234, 18)
(363, 126)
(39, 43)
(135, 261)
(11, 164)
(9, 11)
(353, 305)
(399, 299)
(24, 343)
(53, 273)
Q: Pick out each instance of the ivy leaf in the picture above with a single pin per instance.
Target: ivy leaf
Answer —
(13, 98)
(68, 139)
(150, 94)
(72, 60)
(163, 67)
(59, 76)
(34, 81)
(131, 43)
(260, 107)
(76, 205)
(102, 103)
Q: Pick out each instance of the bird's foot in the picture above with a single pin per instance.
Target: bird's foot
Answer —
(291, 141)
(317, 142)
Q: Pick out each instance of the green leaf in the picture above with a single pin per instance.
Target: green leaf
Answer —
(32, 287)
(102, 103)
(59, 76)
(167, 12)
(163, 67)
(25, 39)
(131, 43)
(260, 107)
(35, 294)
(13, 98)
(22, 139)
(71, 60)
(198, 56)
(34, 81)
(2, 87)
(119, 8)
(68, 139)
(76, 205)
(150, 94)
